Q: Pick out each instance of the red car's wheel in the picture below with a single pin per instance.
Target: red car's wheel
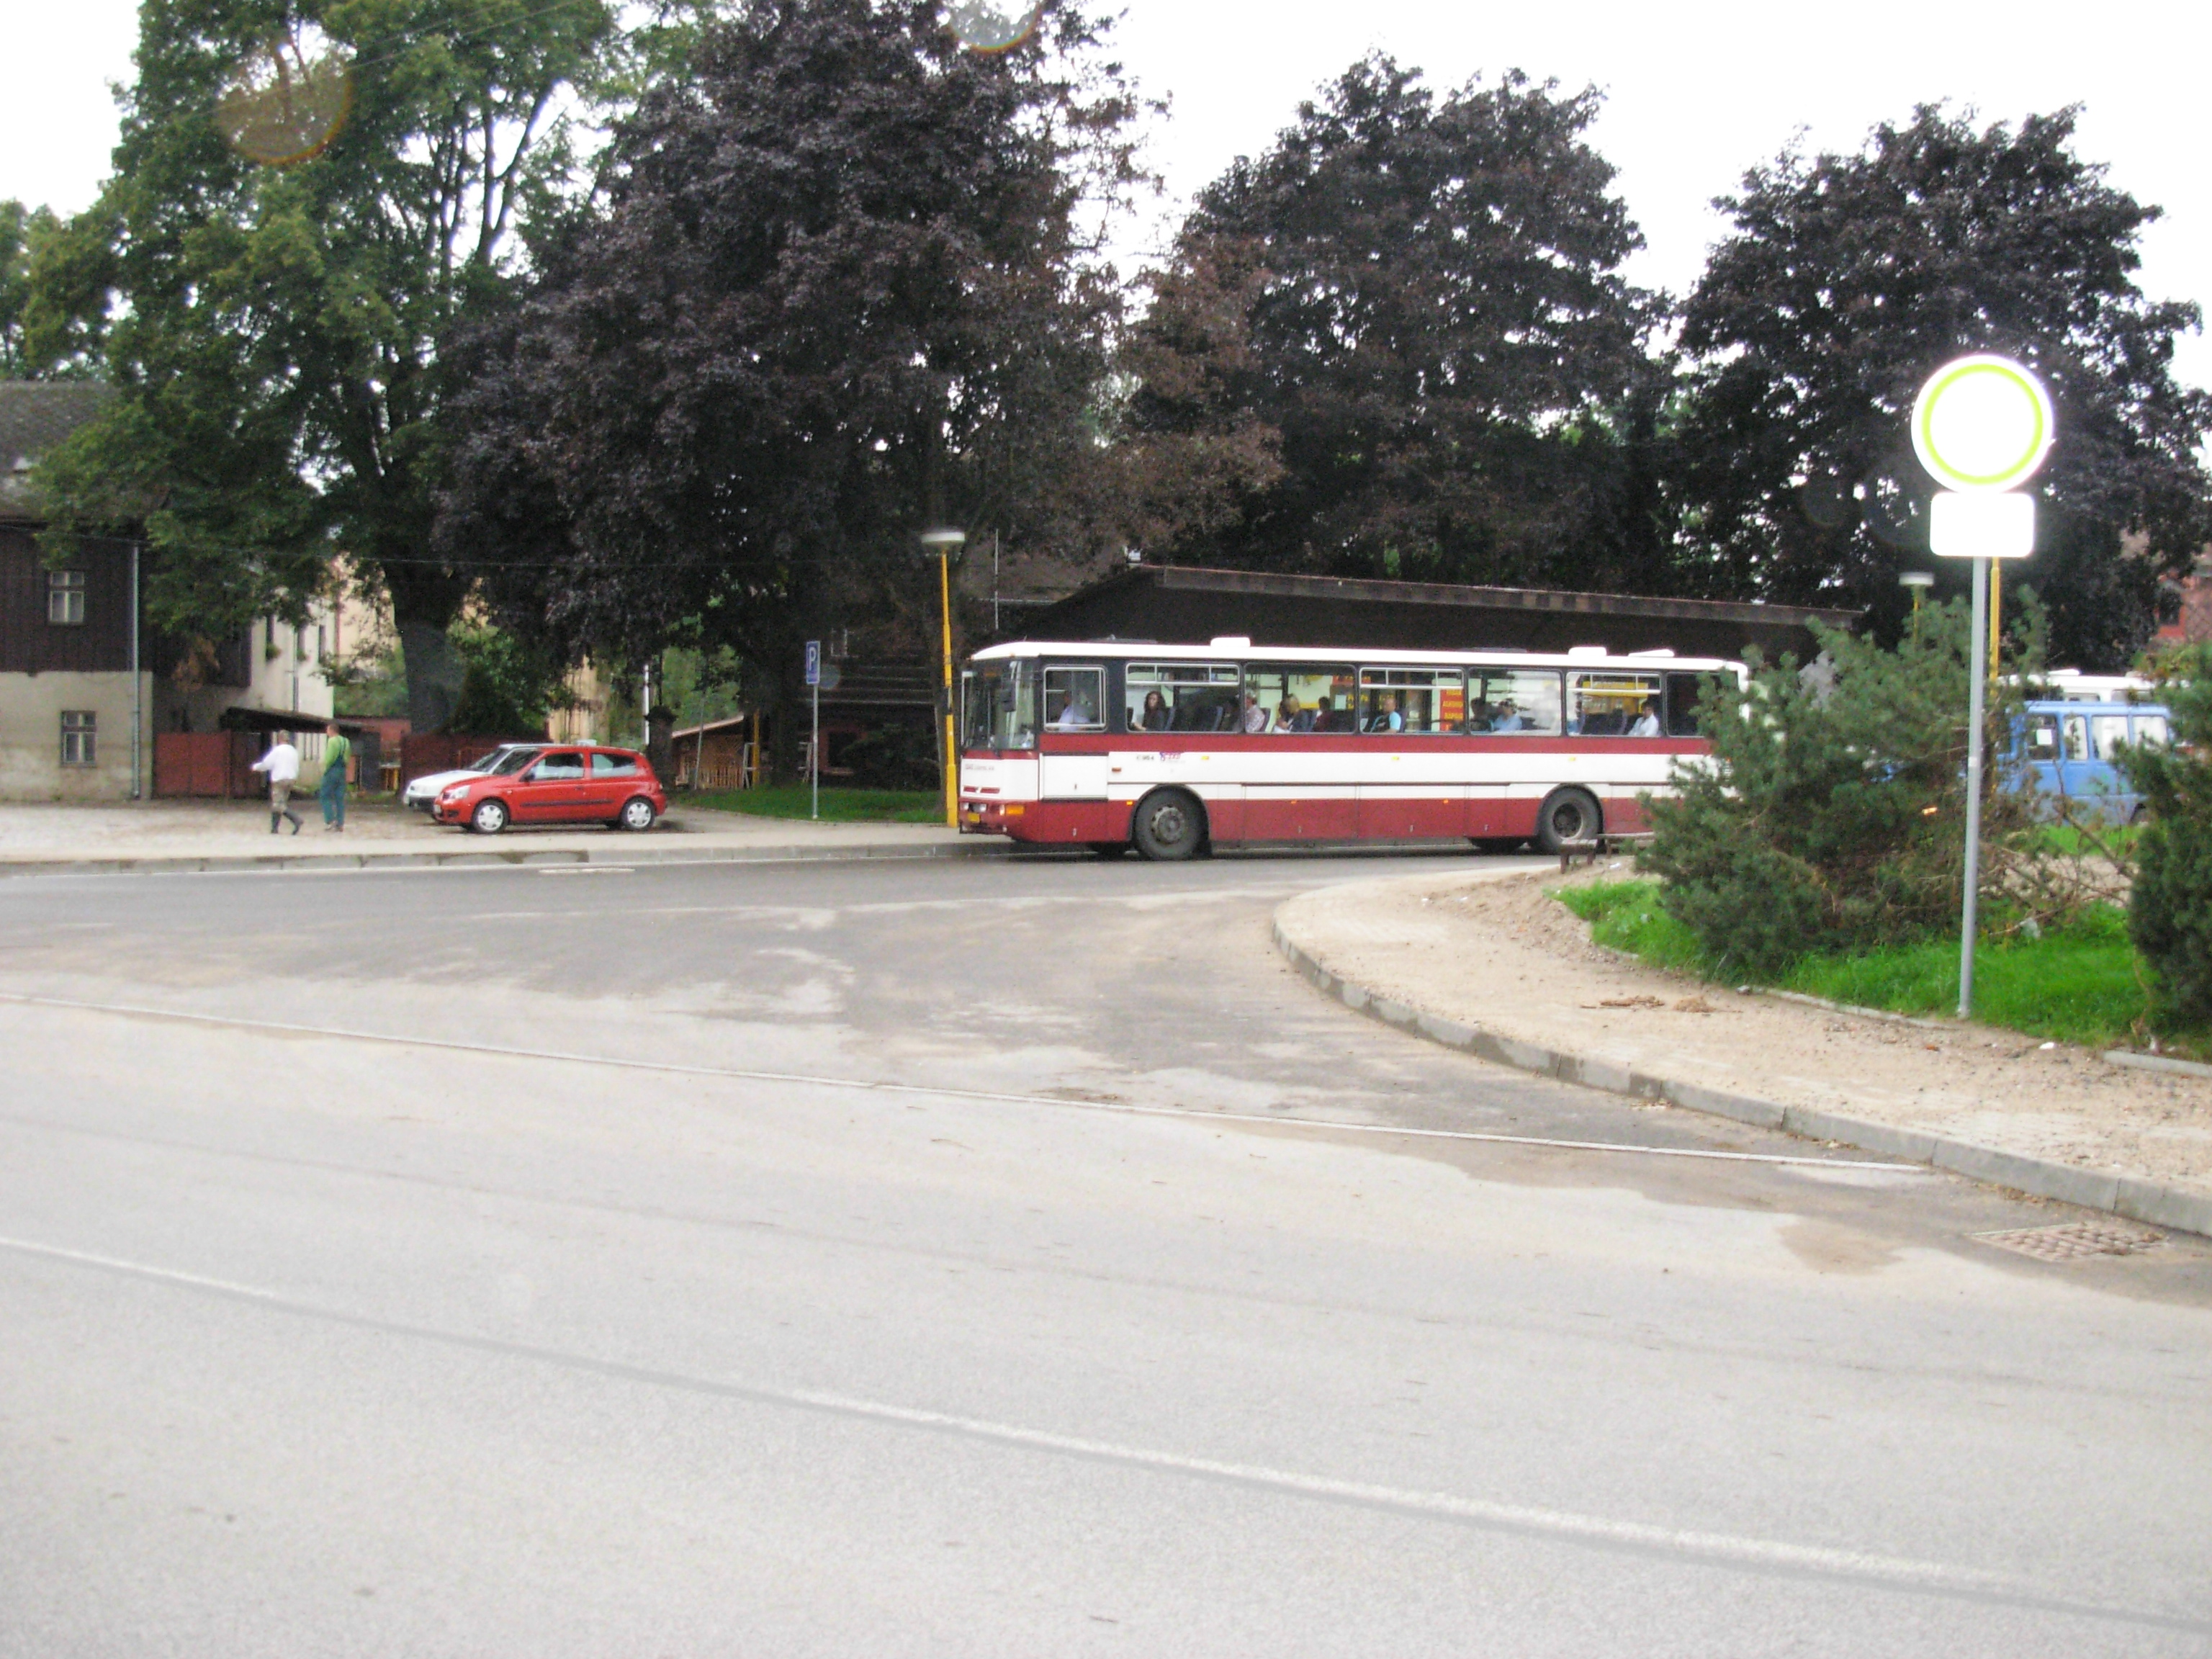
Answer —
(489, 817)
(637, 813)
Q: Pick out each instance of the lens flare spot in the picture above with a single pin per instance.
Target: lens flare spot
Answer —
(993, 25)
(287, 99)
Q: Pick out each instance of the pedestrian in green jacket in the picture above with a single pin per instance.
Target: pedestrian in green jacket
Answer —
(336, 752)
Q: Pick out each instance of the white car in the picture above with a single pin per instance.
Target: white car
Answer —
(422, 793)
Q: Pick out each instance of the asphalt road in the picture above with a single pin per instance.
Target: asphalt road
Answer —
(886, 1259)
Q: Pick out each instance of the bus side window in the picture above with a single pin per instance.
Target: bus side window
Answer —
(2150, 731)
(2077, 738)
(1181, 696)
(2043, 738)
(1611, 704)
(1421, 702)
(1301, 696)
(1514, 700)
(1075, 699)
(2111, 730)
(1683, 691)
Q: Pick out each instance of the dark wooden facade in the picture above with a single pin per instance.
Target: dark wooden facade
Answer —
(101, 644)
(1186, 605)
(29, 644)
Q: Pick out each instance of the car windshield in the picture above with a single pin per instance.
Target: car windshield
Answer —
(510, 763)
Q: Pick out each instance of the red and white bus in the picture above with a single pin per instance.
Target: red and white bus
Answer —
(1173, 748)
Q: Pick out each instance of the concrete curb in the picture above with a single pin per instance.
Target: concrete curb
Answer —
(2137, 1200)
(481, 858)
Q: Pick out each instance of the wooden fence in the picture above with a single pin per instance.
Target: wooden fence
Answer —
(210, 765)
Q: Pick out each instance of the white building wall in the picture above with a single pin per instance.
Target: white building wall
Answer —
(288, 680)
(287, 667)
(31, 709)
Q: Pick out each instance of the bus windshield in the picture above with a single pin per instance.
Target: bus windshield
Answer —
(998, 707)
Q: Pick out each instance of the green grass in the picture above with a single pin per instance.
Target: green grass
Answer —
(2066, 842)
(2078, 984)
(791, 800)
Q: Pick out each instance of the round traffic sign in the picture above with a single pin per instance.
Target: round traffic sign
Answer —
(1981, 424)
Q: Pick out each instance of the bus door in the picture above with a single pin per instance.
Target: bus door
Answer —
(1300, 778)
(1411, 785)
(2107, 732)
(2077, 766)
(2042, 752)
(1074, 709)
(1508, 781)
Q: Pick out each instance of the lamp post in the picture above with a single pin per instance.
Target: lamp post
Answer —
(1917, 583)
(1981, 426)
(945, 541)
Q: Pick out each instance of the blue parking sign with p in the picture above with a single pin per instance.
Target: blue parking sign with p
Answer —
(814, 662)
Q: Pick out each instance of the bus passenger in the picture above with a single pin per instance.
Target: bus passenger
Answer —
(1478, 717)
(1387, 717)
(1647, 723)
(1076, 715)
(1288, 717)
(1156, 714)
(1255, 717)
(1508, 718)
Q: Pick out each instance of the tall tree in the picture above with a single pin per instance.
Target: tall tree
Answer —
(1399, 342)
(21, 229)
(309, 196)
(1848, 279)
(843, 283)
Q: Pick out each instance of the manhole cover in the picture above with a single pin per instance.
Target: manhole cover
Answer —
(2073, 1240)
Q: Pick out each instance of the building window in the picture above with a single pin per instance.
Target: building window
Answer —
(78, 737)
(65, 596)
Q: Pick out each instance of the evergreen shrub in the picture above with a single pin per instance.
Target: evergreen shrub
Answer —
(2170, 909)
(1830, 814)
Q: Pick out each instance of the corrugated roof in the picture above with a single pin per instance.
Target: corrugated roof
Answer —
(35, 416)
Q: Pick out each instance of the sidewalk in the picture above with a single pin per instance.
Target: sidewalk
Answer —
(189, 836)
(1490, 964)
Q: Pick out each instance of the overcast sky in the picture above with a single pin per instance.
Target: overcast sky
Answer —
(1695, 92)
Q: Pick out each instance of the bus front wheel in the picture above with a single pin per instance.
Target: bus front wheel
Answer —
(1568, 817)
(1169, 825)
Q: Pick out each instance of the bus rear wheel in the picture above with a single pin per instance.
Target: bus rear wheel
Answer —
(1568, 815)
(1169, 825)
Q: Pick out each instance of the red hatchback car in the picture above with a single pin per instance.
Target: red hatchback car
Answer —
(568, 783)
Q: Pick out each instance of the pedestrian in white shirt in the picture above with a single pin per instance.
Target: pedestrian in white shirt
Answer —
(282, 763)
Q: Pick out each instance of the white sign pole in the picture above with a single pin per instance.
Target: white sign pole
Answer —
(1981, 426)
(1977, 716)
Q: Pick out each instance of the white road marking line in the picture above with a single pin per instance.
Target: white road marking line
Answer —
(942, 1092)
(1721, 1547)
(896, 906)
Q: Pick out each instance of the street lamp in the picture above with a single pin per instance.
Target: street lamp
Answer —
(945, 541)
(1917, 583)
(1981, 426)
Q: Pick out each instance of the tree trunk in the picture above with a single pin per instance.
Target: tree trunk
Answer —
(791, 712)
(425, 600)
(659, 743)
